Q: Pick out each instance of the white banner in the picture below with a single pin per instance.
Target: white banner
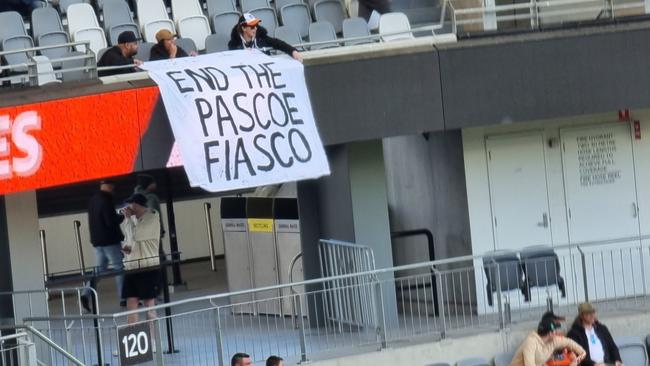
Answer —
(241, 119)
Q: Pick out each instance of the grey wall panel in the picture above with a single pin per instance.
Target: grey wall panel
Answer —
(375, 98)
(562, 74)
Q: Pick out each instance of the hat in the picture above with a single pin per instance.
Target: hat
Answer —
(249, 20)
(144, 180)
(586, 308)
(126, 37)
(546, 326)
(137, 198)
(552, 316)
(164, 34)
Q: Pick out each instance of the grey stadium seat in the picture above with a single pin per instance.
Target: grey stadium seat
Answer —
(187, 44)
(13, 36)
(220, 6)
(288, 34)
(144, 51)
(330, 11)
(224, 22)
(474, 361)
(248, 5)
(48, 31)
(504, 359)
(118, 19)
(356, 27)
(321, 32)
(64, 4)
(298, 17)
(503, 270)
(77, 75)
(268, 18)
(632, 350)
(216, 43)
(281, 3)
(542, 267)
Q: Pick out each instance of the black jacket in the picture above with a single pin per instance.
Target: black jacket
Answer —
(158, 52)
(262, 42)
(114, 57)
(577, 333)
(103, 221)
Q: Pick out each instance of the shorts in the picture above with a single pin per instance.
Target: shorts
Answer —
(142, 285)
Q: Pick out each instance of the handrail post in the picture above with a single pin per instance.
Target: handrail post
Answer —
(441, 300)
(208, 224)
(80, 251)
(46, 268)
(303, 338)
(584, 273)
(219, 334)
(642, 266)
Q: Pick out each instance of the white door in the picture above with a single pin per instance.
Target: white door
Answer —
(519, 197)
(599, 182)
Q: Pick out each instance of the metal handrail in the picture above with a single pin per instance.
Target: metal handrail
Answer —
(372, 274)
(49, 342)
(40, 48)
(12, 336)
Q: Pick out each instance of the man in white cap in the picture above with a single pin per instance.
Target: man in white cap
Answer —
(248, 34)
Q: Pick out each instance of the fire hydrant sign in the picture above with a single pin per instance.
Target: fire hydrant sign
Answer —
(242, 119)
(135, 344)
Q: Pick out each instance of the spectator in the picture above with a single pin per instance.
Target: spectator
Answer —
(367, 6)
(595, 338)
(105, 236)
(120, 55)
(142, 238)
(166, 47)
(248, 34)
(275, 361)
(539, 345)
(241, 359)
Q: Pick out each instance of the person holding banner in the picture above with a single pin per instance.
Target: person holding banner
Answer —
(248, 34)
(166, 47)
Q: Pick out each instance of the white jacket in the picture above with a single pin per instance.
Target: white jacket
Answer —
(143, 236)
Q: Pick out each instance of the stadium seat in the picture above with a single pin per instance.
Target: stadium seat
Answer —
(83, 26)
(296, 16)
(321, 32)
(248, 5)
(633, 351)
(288, 34)
(330, 11)
(541, 267)
(187, 44)
(152, 17)
(220, 6)
(190, 21)
(503, 271)
(504, 359)
(438, 364)
(391, 24)
(44, 71)
(279, 4)
(118, 19)
(224, 22)
(356, 27)
(101, 53)
(216, 43)
(144, 51)
(65, 4)
(48, 31)
(268, 18)
(77, 75)
(13, 37)
(474, 361)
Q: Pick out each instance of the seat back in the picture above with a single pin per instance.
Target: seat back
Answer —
(65, 4)
(44, 71)
(190, 21)
(474, 361)
(281, 3)
(268, 18)
(12, 25)
(185, 8)
(187, 44)
(504, 359)
(633, 351)
(51, 39)
(541, 265)
(391, 23)
(45, 20)
(248, 5)
(81, 16)
(224, 22)
(330, 11)
(216, 43)
(355, 27)
(152, 17)
(288, 34)
(17, 43)
(298, 17)
(116, 12)
(144, 51)
(220, 6)
(502, 268)
(321, 32)
(76, 75)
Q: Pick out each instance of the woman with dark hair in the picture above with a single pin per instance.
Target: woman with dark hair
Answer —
(539, 345)
(248, 34)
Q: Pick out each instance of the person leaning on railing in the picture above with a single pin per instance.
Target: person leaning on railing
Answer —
(248, 34)
(538, 346)
(594, 336)
(121, 55)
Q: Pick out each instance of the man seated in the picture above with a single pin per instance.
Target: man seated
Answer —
(121, 55)
(595, 338)
(166, 47)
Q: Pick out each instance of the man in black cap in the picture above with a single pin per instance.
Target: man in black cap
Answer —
(121, 55)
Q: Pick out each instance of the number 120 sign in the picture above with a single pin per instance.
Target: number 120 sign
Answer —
(135, 344)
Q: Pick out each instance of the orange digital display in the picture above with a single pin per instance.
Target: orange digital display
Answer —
(72, 140)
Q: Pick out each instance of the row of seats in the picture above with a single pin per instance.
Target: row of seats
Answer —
(632, 349)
